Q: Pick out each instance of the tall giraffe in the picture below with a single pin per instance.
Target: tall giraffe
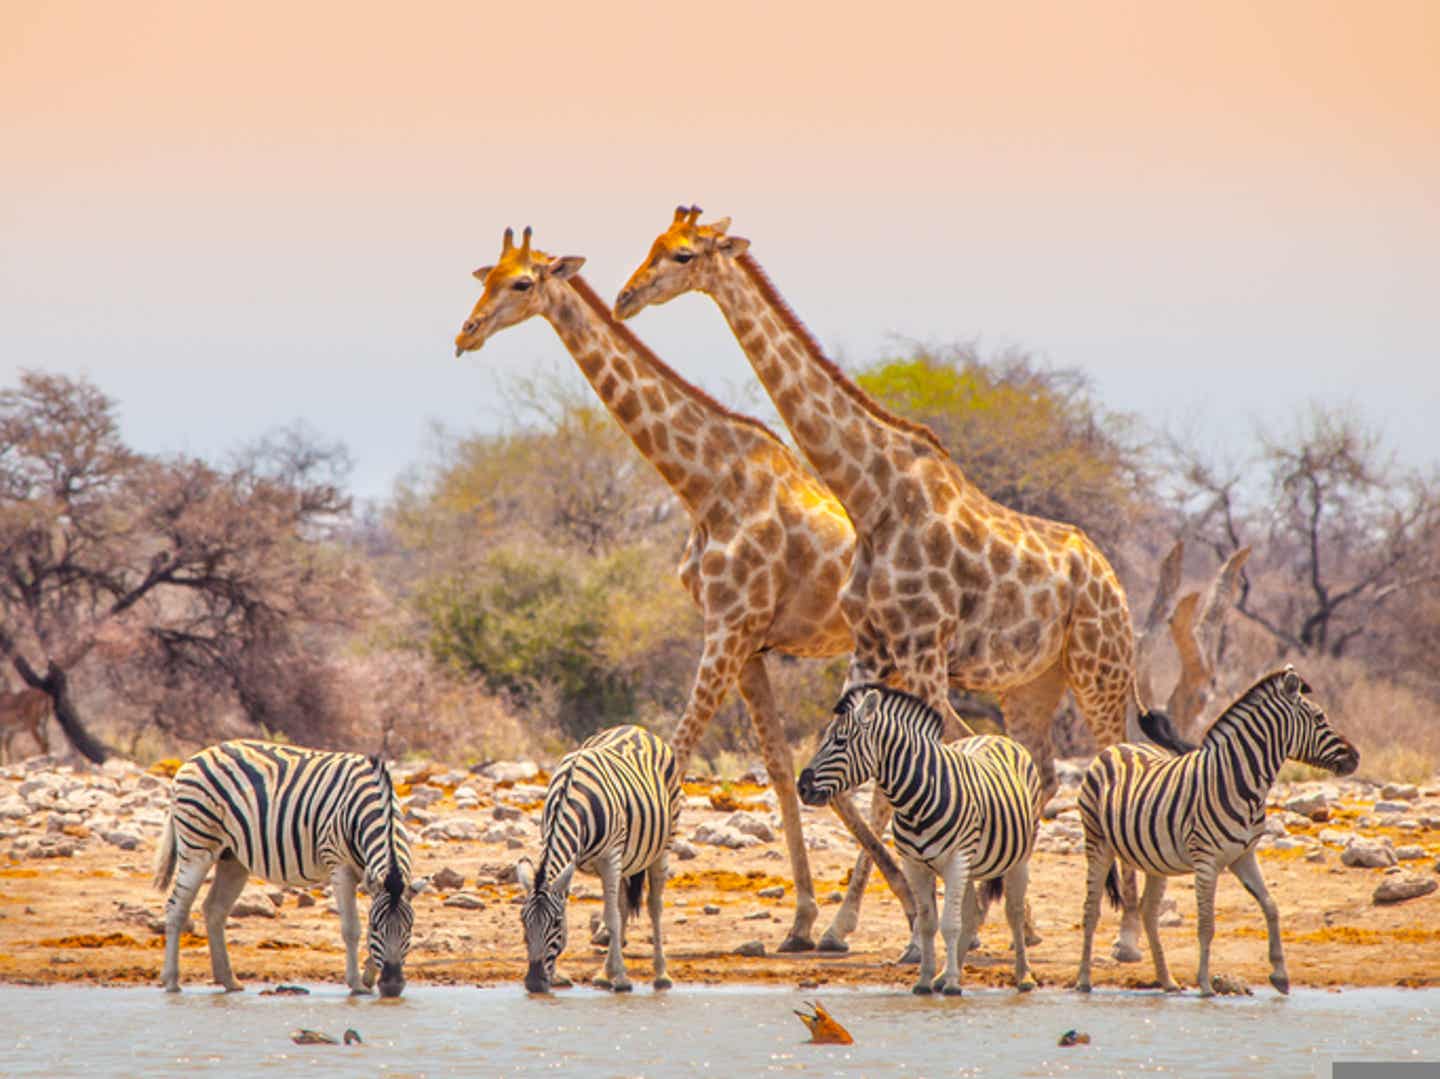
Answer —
(768, 547)
(947, 586)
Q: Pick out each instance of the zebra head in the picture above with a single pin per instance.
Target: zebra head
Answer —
(1315, 742)
(391, 919)
(543, 916)
(847, 754)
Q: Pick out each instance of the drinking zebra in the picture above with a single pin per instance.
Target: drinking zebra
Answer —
(610, 809)
(1201, 812)
(965, 812)
(292, 816)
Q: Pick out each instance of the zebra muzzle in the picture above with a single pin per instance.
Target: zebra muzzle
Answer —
(806, 789)
(535, 979)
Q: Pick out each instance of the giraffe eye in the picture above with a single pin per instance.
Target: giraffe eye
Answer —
(683, 257)
(522, 285)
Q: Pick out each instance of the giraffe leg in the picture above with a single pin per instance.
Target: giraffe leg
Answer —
(780, 763)
(721, 660)
(229, 882)
(872, 851)
(1030, 718)
(1248, 870)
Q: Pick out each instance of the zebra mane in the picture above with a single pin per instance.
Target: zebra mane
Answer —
(895, 704)
(1225, 722)
(394, 884)
(543, 867)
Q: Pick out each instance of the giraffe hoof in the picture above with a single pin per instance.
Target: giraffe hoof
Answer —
(833, 945)
(952, 991)
(910, 956)
(1125, 953)
(1025, 984)
(663, 983)
(1280, 982)
(796, 943)
(922, 989)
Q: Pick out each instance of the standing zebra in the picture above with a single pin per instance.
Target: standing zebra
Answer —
(1201, 812)
(965, 812)
(292, 816)
(610, 809)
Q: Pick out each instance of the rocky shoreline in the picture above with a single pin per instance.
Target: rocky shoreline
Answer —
(1353, 865)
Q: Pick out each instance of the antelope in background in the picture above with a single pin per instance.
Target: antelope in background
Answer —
(1195, 624)
(25, 710)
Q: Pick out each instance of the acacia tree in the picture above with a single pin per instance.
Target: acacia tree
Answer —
(1344, 536)
(196, 575)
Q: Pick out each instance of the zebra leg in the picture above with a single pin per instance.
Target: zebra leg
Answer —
(1017, 913)
(1248, 870)
(922, 886)
(611, 882)
(780, 764)
(1099, 859)
(1205, 874)
(344, 881)
(229, 882)
(1150, 911)
(958, 923)
(188, 878)
(656, 903)
(1126, 948)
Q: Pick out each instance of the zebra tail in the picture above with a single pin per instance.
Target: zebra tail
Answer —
(634, 894)
(1160, 729)
(1112, 887)
(991, 890)
(167, 856)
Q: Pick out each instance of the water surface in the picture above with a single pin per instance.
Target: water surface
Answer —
(695, 1031)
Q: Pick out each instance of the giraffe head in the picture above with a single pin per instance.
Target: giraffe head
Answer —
(516, 288)
(682, 259)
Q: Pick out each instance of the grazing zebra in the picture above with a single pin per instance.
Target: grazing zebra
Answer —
(965, 812)
(292, 816)
(1201, 812)
(610, 809)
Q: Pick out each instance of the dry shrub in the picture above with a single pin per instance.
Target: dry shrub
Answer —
(1394, 728)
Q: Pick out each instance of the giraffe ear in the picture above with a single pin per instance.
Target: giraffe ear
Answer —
(565, 267)
(482, 273)
(731, 246)
(720, 226)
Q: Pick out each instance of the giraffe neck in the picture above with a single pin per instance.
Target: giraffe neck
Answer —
(847, 437)
(677, 427)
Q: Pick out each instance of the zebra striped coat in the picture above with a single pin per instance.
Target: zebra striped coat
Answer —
(291, 816)
(1203, 811)
(966, 811)
(610, 809)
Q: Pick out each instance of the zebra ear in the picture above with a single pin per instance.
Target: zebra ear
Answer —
(561, 884)
(525, 874)
(869, 706)
(1292, 683)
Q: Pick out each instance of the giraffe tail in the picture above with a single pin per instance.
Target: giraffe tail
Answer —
(1160, 729)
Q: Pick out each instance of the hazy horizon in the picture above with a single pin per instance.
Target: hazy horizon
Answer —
(230, 220)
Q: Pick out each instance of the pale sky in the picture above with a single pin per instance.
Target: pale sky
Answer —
(232, 221)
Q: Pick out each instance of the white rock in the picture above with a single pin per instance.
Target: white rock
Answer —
(722, 835)
(1308, 804)
(452, 828)
(748, 824)
(122, 839)
(1392, 807)
(254, 904)
(1273, 826)
(1409, 853)
(683, 849)
(510, 771)
(1338, 836)
(1402, 886)
(1404, 792)
(1368, 853)
(14, 808)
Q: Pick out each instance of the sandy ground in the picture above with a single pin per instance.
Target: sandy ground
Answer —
(92, 915)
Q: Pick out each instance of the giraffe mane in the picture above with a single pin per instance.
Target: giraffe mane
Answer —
(840, 378)
(619, 329)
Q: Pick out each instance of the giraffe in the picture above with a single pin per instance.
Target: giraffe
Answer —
(768, 548)
(947, 586)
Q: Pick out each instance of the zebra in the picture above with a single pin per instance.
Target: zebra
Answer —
(1201, 812)
(610, 809)
(291, 816)
(965, 812)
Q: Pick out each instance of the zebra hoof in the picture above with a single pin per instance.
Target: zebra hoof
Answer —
(1125, 953)
(833, 945)
(1280, 982)
(663, 983)
(622, 985)
(796, 943)
(922, 989)
(952, 991)
(1082, 987)
(910, 956)
(560, 982)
